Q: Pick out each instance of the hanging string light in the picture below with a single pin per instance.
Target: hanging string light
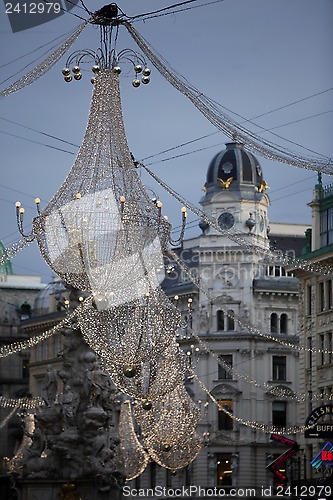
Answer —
(135, 458)
(44, 66)
(10, 252)
(244, 325)
(267, 429)
(240, 237)
(223, 122)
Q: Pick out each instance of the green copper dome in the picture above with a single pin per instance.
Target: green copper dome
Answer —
(5, 267)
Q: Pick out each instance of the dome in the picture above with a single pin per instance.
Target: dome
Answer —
(234, 169)
(43, 303)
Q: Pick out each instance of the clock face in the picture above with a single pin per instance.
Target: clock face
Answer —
(226, 220)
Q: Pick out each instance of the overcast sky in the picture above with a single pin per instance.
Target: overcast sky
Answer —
(251, 56)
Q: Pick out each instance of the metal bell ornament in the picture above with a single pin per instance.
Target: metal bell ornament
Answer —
(146, 404)
(146, 71)
(129, 371)
(136, 83)
(117, 70)
(77, 76)
(66, 71)
(145, 80)
(95, 69)
(76, 69)
(138, 68)
(166, 447)
(68, 78)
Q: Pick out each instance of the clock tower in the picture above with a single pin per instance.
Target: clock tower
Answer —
(235, 195)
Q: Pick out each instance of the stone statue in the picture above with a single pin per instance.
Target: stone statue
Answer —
(50, 387)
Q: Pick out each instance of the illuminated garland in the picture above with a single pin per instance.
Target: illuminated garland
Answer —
(243, 324)
(239, 237)
(44, 66)
(8, 417)
(23, 403)
(223, 122)
(267, 429)
(9, 252)
(135, 457)
(15, 347)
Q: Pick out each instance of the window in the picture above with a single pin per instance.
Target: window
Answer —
(283, 323)
(222, 372)
(322, 348)
(224, 469)
(321, 296)
(279, 414)
(309, 300)
(225, 423)
(329, 294)
(274, 323)
(279, 368)
(309, 346)
(25, 368)
(329, 348)
(326, 227)
(230, 320)
(220, 321)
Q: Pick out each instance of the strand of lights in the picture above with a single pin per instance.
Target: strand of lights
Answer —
(15, 347)
(267, 429)
(222, 121)
(9, 252)
(240, 237)
(169, 420)
(8, 417)
(23, 403)
(251, 329)
(135, 457)
(44, 66)
(274, 391)
(29, 426)
(101, 232)
(178, 456)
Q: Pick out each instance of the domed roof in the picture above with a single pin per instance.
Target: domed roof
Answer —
(42, 301)
(234, 169)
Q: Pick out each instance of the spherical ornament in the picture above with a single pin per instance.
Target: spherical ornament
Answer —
(145, 80)
(66, 71)
(117, 70)
(138, 68)
(146, 404)
(76, 69)
(146, 71)
(136, 83)
(68, 78)
(166, 447)
(77, 76)
(95, 69)
(129, 371)
(92, 80)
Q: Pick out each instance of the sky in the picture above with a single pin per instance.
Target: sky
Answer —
(251, 56)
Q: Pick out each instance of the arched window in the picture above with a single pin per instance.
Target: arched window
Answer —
(284, 323)
(274, 323)
(230, 320)
(220, 321)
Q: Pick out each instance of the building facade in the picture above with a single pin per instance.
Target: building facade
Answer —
(243, 300)
(316, 320)
(17, 295)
